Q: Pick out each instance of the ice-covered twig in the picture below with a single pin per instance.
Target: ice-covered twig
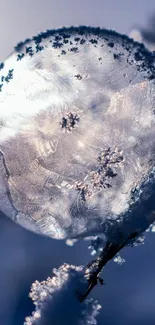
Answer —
(110, 250)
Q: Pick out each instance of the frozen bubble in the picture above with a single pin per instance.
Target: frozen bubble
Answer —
(77, 130)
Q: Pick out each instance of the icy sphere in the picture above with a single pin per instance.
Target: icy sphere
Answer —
(77, 127)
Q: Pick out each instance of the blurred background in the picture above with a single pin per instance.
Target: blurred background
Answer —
(128, 296)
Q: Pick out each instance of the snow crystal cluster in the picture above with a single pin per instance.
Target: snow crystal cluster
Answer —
(119, 259)
(56, 299)
(96, 243)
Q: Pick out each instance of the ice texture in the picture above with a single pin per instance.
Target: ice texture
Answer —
(77, 127)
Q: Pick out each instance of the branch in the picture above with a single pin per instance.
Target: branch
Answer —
(108, 252)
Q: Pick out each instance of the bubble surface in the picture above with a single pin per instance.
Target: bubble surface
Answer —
(77, 130)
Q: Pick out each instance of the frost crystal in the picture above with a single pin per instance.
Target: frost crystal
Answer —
(60, 293)
(97, 244)
(139, 240)
(118, 259)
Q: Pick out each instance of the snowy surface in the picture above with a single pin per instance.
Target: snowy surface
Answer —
(55, 299)
(76, 131)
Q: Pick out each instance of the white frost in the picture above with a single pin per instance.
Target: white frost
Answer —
(56, 300)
